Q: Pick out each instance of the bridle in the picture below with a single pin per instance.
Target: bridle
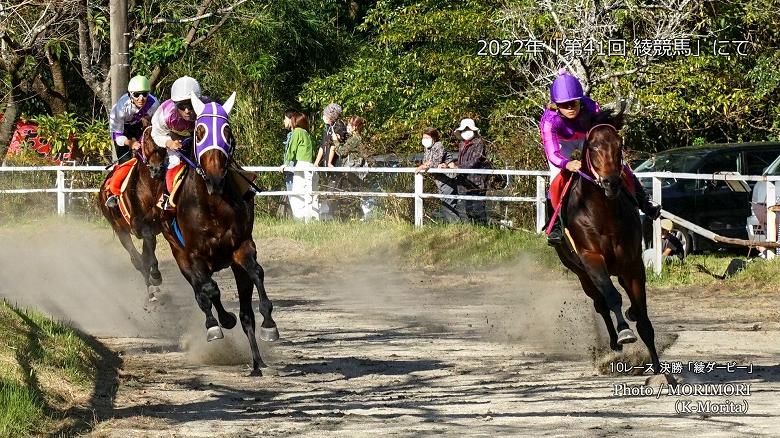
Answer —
(594, 176)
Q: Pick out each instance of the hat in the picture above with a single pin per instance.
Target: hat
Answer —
(467, 124)
(565, 88)
(666, 224)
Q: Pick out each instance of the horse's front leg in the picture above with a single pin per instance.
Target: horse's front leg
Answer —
(150, 269)
(206, 292)
(246, 257)
(596, 268)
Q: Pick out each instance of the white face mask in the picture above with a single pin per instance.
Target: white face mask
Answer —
(427, 142)
(467, 135)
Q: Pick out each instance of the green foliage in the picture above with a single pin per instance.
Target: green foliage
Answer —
(64, 130)
(147, 55)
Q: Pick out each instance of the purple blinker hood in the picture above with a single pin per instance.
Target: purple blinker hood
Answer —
(213, 117)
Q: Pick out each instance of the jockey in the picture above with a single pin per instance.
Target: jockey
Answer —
(173, 125)
(127, 120)
(564, 127)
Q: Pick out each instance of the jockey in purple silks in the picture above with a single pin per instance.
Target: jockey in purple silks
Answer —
(563, 127)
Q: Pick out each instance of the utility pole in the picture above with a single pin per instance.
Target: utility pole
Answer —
(120, 65)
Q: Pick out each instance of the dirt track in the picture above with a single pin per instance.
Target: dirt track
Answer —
(369, 351)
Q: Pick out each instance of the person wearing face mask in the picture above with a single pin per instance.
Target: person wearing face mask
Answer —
(128, 118)
(563, 128)
(434, 156)
(471, 155)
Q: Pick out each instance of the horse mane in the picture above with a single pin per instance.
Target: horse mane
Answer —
(611, 115)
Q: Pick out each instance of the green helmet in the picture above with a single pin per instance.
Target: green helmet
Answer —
(139, 83)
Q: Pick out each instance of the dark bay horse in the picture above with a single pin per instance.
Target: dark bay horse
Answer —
(603, 237)
(144, 186)
(212, 230)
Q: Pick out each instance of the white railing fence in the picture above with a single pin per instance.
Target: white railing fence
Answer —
(418, 193)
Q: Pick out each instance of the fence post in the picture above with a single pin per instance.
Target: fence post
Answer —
(541, 206)
(657, 250)
(418, 200)
(771, 217)
(60, 192)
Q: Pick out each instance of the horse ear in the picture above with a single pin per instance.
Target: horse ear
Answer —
(611, 114)
(197, 104)
(229, 103)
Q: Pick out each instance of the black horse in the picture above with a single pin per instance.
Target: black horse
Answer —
(212, 230)
(603, 237)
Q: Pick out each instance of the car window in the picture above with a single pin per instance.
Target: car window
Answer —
(719, 162)
(757, 161)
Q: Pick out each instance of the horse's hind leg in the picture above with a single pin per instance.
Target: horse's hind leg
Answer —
(246, 257)
(638, 295)
(596, 269)
(630, 311)
(247, 316)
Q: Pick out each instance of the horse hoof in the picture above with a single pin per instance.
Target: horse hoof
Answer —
(626, 336)
(268, 334)
(630, 314)
(214, 333)
(229, 320)
(155, 280)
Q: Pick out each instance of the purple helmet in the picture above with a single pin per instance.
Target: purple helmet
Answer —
(565, 88)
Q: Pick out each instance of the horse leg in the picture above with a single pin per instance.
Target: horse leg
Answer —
(245, 286)
(127, 243)
(226, 319)
(246, 257)
(638, 296)
(596, 269)
(601, 308)
(150, 246)
(630, 311)
(149, 261)
(199, 277)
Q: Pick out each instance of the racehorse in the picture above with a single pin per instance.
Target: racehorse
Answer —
(212, 230)
(144, 186)
(603, 236)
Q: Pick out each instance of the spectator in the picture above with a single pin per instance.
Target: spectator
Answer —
(671, 247)
(333, 134)
(353, 153)
(471, 155)
(299, 155)
(436, 157)
(288, 176)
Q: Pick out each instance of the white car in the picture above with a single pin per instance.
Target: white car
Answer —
(756, 222)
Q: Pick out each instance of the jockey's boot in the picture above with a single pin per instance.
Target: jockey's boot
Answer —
(556, 234)
(648, 207)
(112, 201)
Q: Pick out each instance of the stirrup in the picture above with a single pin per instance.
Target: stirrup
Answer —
(652, 211)
(112, 201)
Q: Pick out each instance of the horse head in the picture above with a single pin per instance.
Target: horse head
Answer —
(604, 153)
(155, 158)
(214, 141)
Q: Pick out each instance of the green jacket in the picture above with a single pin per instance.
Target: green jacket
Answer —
(301, 147)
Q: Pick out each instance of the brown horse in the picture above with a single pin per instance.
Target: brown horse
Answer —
(144, 186)
(603, 237)
(212, 230)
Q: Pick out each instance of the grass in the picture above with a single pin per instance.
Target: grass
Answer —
(45, 369)
(431, 247)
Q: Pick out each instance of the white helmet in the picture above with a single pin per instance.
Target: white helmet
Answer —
(182, 87)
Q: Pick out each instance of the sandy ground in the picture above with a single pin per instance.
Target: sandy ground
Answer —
(368, 350)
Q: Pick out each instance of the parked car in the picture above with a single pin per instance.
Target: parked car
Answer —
(715, 205)
(756, 222)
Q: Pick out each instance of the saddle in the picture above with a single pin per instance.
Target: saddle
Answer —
(181, 172)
